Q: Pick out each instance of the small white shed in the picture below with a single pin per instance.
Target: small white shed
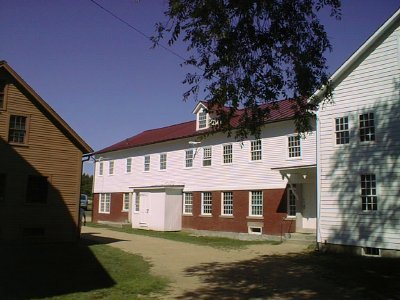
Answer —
(157, 208)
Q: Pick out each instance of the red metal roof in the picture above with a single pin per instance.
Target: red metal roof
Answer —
(284, 111)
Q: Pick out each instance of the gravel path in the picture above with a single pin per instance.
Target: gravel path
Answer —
(182, 263)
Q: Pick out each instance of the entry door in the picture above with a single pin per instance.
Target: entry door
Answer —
(144, 209)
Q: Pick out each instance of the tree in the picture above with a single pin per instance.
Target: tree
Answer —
(250, 53)
(86, 184)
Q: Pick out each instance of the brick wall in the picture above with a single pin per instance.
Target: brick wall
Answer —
(116, 214)
(274, 213)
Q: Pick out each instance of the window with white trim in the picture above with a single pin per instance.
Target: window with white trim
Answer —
(227, 154)
(202, 119)
(17, 132)
(207, 153)
(189, 158)
(294, 146)
(101, 168)
(206, 203)
(163, 161)
(256, 203)
(128, 165)
(187, 203)
(147, 163)
(342, 132)
(369, 198)
(125, 204)
(367, 127)
(104, 203)
(291, 202)
(136, 206)
(227, 204)
(111, 167)
(256, 150)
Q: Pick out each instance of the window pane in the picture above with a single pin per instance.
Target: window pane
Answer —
(187, 203)
(147, 163)
(189, 158)
(256, 152)
(128, 165)
(367, 127)
(36, 191)
(206, 207)
(256, 206)
(227, 205)
(163, 161)
(227, 149)
(207, 156)
(294, 146)
(17, 129)
(202, 120)
(342, 130)
(369, 199)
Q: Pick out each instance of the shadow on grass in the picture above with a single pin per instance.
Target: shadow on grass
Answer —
(90, 238)
(299, 276)
(38, 271)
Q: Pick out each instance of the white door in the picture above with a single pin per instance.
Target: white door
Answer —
(144, 209)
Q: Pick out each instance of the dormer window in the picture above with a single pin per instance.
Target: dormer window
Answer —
(202, 120)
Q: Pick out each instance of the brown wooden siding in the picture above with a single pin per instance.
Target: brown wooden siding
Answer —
(48, 153)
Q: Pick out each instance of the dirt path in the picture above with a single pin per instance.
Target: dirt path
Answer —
(182, 263)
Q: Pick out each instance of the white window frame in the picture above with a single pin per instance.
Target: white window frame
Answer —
(125, 201)
(257, 230)
(207, 156)
(189, 155)
(146, 163)
(256, 206)
(101, 168)
(104, 203)
(367, 130)
(227, 154)
(256, 150)
(227, 204)
(369, 193)
(187, 203)
(202, 120)
(294, 148)
(206, 203)
(136, 206)
(111, 167)
(342, 130)
(128, 165)
(163, 161)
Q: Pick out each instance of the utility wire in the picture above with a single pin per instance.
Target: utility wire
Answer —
(137, 30)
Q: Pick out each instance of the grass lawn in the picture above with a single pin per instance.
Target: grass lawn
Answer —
(80, 271)
(186, 237)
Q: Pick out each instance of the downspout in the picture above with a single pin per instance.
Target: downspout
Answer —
(318, 191)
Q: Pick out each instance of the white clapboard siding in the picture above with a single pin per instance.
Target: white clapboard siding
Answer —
(242, 174)
(373, 85)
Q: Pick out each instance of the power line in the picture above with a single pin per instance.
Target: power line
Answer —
(137, 30)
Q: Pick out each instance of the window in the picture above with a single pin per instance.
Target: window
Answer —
(255, 230)
(163, 161)
(342, 130)
(187, 203)
(227, 203)
(369, 199)
(256, 203)
(291, 202)
(136, 207)
(147, 163)
(294, 146)
(256, 152)
(101, 168)
(202, 120)
(111, 167)
(104, 203)
(207, 156)
(2, 187)
(227, 153)
(369, 251)
(17, 131)
(367, 127)
(2, 94)
(189, 158)
(125, 204)
(128, 165)
(36, 191)
(206, 203)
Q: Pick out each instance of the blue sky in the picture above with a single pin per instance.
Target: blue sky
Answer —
(103, 78)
